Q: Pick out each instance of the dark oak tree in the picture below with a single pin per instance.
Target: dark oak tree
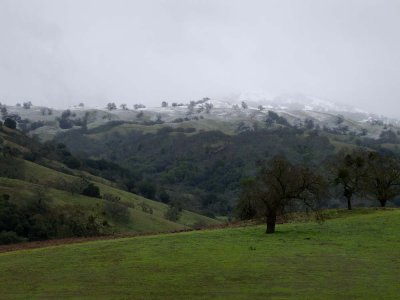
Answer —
(280, 186)
(383, 182)
(350, 171)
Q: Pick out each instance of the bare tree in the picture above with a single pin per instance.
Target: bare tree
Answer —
(280, 186)
(27, 105)
(208, 107)
(111, 106)
(383, 181)
(350, 171)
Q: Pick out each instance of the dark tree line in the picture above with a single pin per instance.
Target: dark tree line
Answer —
(280, 186)
(367, 174)
(40, 220)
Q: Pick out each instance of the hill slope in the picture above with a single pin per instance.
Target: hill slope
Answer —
(354, 257)
(22, 190)
(27, 184)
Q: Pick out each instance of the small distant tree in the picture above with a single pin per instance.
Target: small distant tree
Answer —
(27, 105)
(191, 107)
(173, 213)
(146, 208)
(350, 171)
(111, 106)
(10, 123)
(244, 105)
(339, 119)
(260, 108)
(159, 119)
(138, 106)
(113, 207)
(164, 196)
(274, 118)
(147, 189)
(81, 104)
(65, 123)
(66, 114)
(309, 124)
(279, 186)
(164, 104)
(123, 107)
(363, 132)
(208, 107)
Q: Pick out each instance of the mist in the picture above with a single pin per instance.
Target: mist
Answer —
(61, 53)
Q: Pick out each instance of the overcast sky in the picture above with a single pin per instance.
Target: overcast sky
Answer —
(62, 52)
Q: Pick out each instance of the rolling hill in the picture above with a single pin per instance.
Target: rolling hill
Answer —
(25, 181)
(198, 152)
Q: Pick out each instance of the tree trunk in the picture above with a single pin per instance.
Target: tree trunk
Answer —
(271, 221)
(383, 203)
(348, 203)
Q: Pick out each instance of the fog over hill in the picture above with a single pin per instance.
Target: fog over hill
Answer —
(60, 53)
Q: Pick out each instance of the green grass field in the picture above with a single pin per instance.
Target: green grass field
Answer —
(354, 256)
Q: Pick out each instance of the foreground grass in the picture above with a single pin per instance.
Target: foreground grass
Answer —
(352, 257)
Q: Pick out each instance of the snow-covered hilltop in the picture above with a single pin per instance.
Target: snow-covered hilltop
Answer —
(294, 102)
(238, 113)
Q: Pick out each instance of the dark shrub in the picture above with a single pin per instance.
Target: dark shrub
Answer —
(65, 123)
(10, 123)
(148, 189)
(164, 196)
(173, 213)
(91, 191)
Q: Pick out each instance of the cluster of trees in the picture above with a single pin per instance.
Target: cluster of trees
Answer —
(281, 186)
(112, 106)
(367, 174)
(174, 212)
(40, 220)
(193, 167)
(339, 128)
(27, 104)
(67, 120)
(46, 111)
(202, 105)
(274, 118)
(14, 120)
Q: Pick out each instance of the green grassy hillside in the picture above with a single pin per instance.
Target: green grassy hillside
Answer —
(25, 182)
(355, 256)
(37, 176)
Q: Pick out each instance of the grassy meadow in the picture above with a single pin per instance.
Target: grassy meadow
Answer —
(351, 256)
